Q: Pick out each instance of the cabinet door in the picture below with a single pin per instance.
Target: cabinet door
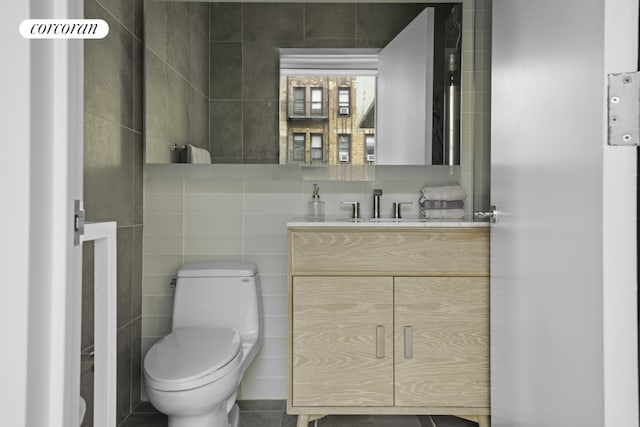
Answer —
(342, 341)
(442, 341)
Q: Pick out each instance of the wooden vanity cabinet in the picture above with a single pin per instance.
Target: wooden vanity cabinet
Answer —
(343, 340)
(441, 341)
(388, 321)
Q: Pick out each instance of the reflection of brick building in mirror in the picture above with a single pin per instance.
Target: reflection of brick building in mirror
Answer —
(327, 120)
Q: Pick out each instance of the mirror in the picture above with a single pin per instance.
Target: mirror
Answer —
(212, 78)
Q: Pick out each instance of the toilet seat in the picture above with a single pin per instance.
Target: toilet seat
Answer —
(191, 357)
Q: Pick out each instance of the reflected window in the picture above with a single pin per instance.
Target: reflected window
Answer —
(299, 147)
(316, 100)
(370, 148)
(344, 148)
(298, 100)
(317, 152)
(344, 101)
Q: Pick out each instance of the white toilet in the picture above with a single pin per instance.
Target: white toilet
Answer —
(192, 375)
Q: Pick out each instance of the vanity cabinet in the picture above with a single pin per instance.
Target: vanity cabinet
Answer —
(343, 341)
(442, 341)
(388, 320)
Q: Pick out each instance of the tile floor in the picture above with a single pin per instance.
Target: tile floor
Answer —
(271, 413)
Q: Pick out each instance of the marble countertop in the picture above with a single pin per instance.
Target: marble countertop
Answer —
(386, 222)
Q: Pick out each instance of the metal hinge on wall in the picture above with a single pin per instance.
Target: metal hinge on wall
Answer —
(78, 222)
(623, 109)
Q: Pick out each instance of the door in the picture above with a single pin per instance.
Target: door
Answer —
(405, 91)
(563, 283)
(42, 176)
(442, 342)
(342, 341)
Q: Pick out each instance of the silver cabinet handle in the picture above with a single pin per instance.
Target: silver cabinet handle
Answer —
(408, 342)
(379, 341)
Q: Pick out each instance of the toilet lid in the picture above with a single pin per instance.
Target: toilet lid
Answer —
(217, 269)
(187, 355)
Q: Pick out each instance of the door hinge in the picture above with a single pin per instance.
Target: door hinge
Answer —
(623, 109)
(78, 222)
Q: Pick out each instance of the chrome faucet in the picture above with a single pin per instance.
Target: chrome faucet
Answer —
(397, 212)
(376, 203)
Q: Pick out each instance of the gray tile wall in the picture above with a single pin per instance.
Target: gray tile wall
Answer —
(113, 166)
(244, 73)
(482, 151)
(176, 56)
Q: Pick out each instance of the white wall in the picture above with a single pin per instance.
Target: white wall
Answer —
(196, 212)
(14, 250)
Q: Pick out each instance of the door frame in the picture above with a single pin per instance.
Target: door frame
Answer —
(619, 234)
(41, 301)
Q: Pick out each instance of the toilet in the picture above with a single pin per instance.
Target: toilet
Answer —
(192, 375)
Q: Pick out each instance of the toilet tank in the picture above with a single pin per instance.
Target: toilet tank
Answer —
(218, 295)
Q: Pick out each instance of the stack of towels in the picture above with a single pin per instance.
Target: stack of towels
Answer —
(442, 202)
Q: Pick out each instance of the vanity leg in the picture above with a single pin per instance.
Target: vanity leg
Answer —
(483, 421)
(303, 420)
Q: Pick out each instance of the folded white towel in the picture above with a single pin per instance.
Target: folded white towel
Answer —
(442, 213)
(197, 155)
(443, 192)
(441, 204)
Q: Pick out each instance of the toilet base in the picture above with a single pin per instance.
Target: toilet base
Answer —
(234, 416)
(217, 418)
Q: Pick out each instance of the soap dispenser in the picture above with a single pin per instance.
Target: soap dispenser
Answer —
(315, 207)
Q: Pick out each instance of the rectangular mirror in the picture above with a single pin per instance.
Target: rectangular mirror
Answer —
(212, 81)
